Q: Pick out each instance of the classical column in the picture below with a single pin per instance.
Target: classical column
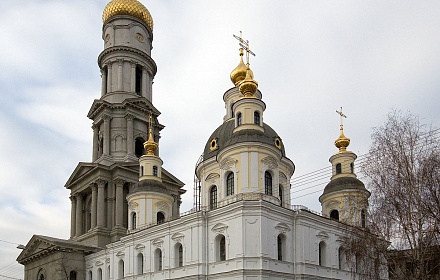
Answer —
(103, 81)
(133, 77)
(119, 202)
(73, 216)
(95, 142)
(144, 82)
(120, 64)
(93, 210)
(106, 147)
(101, 205)
(130, 135)
(109, 77)
(150, 87)
(110, 206)
(79, 206)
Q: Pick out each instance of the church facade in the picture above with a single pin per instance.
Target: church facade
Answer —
(125, 216)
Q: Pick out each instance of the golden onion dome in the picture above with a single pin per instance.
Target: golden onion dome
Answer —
(239, 73)
(128, 7)
(248, 87)
(342, 142)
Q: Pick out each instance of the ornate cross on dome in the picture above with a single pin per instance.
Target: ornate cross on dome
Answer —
(342, 116)
(245, 45)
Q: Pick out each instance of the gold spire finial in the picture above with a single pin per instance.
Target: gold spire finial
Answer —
(239, 73)
(248, 86)
(342, 142)
(150, 146)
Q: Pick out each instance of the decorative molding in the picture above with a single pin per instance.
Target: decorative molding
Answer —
(282, 227)
(118, 182)
(158, 243)
(227, 163)
(133, 206)
(283, 179)
(98, 263)
(161, 205)
(140, 38)
(139, 247)
(107, 260)
(212, 177)
(270, 161)
(100, 182)
(322, 235)
(219, 228)
(120, 254)
(177, 237)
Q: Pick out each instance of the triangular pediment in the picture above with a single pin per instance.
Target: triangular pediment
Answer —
(40, 246)
(81, 170)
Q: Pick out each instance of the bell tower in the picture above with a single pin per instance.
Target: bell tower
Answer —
(345, 197)
(123, 119)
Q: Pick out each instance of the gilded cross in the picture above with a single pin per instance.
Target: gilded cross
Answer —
(341, 116)
(245, 45)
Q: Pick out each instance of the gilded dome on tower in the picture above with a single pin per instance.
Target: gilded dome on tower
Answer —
(342, 142)
(128, 7)
(239, 73)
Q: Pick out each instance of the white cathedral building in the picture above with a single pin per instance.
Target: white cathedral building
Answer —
(125, 217)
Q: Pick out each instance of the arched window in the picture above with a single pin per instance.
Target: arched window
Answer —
(232, 110)
(256, 118)
(334, 214)
(139, 147)
(158, 259)
(179, 255)
(138, 80)
(363, 218)
(267, 183)
(121, 269)
(99, 274)
(352, 167)
(230, 184)
(140, 264)
(213, 197)
(281, 194)
(338, 168)
(155, 170)
(321, 253)
(221, 245)
(160, 218)
(281, 244)
(41, 275)
(133, 220)
(239, 119)
(108, 272)
(341, 257)
(72, 275)
(90, 275)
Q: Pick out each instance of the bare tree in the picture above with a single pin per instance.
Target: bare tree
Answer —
(403, 175)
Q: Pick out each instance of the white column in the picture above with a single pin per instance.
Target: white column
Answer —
(73, 216)
(79, 206)
(93, 210)
(101, 203)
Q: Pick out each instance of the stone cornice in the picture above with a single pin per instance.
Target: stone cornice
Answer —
(131, 50)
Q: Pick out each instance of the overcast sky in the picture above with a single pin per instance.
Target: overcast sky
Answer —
(312, 57)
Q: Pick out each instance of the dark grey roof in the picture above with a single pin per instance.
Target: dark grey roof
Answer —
(226, 138)
(344, 183)
(149, 185)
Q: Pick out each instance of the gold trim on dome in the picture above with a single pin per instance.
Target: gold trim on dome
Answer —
(278, 143)
(248, 87)
(213, 144)
(128, 7)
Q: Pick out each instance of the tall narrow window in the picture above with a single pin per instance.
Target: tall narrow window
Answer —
(352, 167)
(72, 275)
(232, 110)
(140, 264)
(338, 168)
(99, 274)
(321, 253)
(267, 183)
(179, 255)
(341, 257)
(363, 218)
(280, 245)
(133, 220)
(155, 170)
(158, 259)
(213, 197)
(222, 248)
(121, 269)
(139, 147)
(256, 118)
(230, 184)
(239, 119)
(281, 194)
(138, 80)
(160, 218)
(334, 214)
(90, 276)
